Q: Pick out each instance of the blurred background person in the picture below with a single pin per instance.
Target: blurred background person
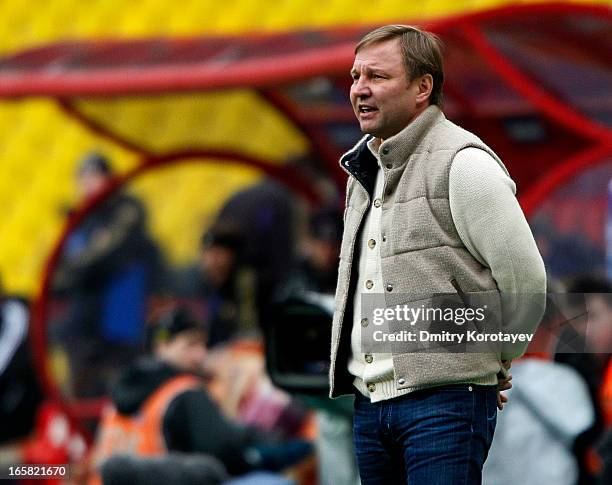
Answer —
(317, 267)
(34, 429)
(161, 405)
(225, 284)
(314, 278)
(265, 212)
(540, 435)
(223, 287)
(20, 392)
(586, 344)
(587, 347)
(106, 270)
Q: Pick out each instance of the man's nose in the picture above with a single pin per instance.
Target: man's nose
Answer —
(361, 88)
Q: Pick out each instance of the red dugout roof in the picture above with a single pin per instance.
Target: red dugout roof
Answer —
(110, 67)
(114, 67)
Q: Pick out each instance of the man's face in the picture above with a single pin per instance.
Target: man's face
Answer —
(91, 184)
(218, 263)
(383, 99)
(185, 351)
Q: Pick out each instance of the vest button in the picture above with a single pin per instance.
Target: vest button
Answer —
(384, 238)
(389, 287)
(369, 284)
(371, 387)
(389, 166)
(371, 243)
(401, 381)
(369, 358)
(385, 150)
(364, 322)
(377, 203)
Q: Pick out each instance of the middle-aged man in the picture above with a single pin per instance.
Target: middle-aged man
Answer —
(430, 209)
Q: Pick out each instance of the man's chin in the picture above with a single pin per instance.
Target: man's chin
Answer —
(368, 129)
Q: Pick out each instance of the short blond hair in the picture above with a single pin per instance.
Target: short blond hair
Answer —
(422, 52)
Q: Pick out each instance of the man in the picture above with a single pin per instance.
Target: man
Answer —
(317, 267)
(160, 405)
(225, 284)
(430, 210)
(17, 374)
(107, 268)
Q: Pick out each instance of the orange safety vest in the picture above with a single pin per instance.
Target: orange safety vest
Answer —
(141, 434)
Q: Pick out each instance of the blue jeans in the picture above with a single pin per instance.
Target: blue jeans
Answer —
(438, 436)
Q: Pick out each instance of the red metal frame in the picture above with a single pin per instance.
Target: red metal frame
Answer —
(164, 79)
(599, 135)
(563, 173)
(544, 101)
(72, 111)
(321, 147)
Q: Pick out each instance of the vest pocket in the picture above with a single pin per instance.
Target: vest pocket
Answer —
(418, 224)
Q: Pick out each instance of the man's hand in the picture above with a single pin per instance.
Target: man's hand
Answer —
(503, 384)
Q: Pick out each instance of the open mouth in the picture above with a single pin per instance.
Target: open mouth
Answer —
(366, 112)
(366, 109)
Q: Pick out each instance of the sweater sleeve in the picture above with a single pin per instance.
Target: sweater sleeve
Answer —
(492, 226)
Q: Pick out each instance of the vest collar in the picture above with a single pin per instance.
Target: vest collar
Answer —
(394, 152)
(361, 163)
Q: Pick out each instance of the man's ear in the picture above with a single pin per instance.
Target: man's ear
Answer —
(425, 86)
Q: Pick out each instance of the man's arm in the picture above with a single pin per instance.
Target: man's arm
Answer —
(492, 226)
(107, 242)
(104, 244)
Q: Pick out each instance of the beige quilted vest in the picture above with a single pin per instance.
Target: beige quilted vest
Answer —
(421, 252)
